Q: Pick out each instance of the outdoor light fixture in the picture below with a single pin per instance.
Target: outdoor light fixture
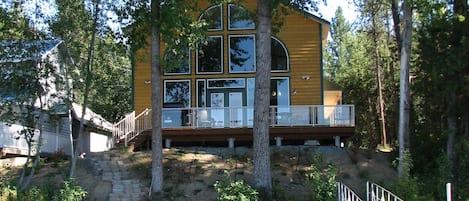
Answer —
(147, 81)
(305, 77)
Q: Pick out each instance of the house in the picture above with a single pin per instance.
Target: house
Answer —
(21, 61)
(209, 95)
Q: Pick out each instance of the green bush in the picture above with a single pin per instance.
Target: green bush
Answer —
(230, 190)
(321, 181)
(70, 192)
(10, 193)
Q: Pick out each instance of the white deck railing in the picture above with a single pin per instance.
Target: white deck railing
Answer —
(375, 192)
(344, 193)
(236, 117)
(123, 128)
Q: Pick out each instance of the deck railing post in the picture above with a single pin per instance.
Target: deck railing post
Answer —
(448, 192)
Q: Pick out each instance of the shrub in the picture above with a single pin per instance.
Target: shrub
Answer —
(70, 192)
(321, 181)
(230, 190)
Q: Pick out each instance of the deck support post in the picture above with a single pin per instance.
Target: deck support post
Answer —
(167, 143)
(278, 141)
(231, 143)
(337, 141)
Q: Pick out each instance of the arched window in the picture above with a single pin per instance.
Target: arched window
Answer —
(214, 18)
(280, 58)
(239, 18)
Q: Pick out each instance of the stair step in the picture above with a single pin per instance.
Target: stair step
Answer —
(112, 167)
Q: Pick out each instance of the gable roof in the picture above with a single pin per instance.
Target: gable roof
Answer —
(91, 118)
(21, 50)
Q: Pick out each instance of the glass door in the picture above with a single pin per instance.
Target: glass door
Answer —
(236, 109)
(217, 102)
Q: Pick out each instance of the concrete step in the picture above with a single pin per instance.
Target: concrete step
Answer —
(113, 169)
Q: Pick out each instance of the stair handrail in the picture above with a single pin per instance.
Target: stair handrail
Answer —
(375, 192)
(344, 193)
(123, 127)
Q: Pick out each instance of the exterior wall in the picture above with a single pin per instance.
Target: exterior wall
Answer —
(56, 136)
(95, 142)
(303, 37)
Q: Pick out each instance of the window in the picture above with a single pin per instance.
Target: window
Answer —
(213, 17)
(177, 62)
(201, 93)
(280, 61)
(242, 54)
(239, 18)
(209, 56)
(177, 91)
(226, 83)
(280, 91)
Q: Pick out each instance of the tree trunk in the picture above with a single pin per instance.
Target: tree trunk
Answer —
(405, 91)
(262, 176)
(89, 71)
(396, 21)
(381, 109)
(156, 101)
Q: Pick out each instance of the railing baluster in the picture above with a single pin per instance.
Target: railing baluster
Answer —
(378, 193)
(346, 194)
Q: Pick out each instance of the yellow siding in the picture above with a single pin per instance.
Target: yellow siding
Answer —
(300, 34)
(302, 37)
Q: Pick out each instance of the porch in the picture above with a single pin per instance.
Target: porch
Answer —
(235, 123)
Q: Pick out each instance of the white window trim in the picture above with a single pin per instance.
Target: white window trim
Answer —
(236, 87)
(221, 18)
(190, 66)
(221, 54)
(229, 19)
(190, 90)
(229, 55)
(286, 52)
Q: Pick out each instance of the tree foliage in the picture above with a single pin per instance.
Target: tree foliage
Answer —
(438, 82)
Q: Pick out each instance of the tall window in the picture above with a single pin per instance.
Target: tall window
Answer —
(280, 60)
(242, 54)
(280, 91)
(239, 18)
(177, 62)
(177, 91)
(209, 56)
(213, 17)
(201, 93)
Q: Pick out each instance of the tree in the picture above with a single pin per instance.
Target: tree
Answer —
(261, 140)
(156, 101)
(261, 137)
(13, 25)
(27, 103)
(171, 22)
(404, 89)
(336, 49)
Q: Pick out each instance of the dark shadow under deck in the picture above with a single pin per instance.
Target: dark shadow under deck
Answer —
(245, 134)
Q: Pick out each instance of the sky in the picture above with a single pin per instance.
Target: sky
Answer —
(325, 12)
(328, 11)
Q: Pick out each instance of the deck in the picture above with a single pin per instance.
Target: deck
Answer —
(220, 124)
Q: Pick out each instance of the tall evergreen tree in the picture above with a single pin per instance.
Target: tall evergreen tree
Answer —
(171, 22)
(261, 140)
